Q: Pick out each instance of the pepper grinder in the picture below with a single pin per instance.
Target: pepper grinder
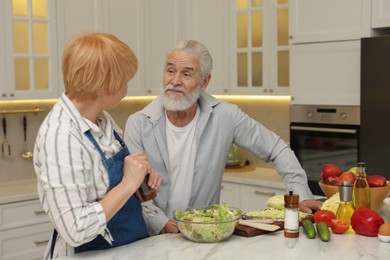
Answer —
(291, 215)
(146, 192)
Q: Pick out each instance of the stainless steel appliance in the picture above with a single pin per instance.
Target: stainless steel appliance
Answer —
(324, 134)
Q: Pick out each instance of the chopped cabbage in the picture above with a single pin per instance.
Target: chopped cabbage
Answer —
(276, 202)
(275, 214)
(332, 203)
(202, 225)
(267, 213)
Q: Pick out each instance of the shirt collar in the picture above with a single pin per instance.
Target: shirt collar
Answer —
(81, 122)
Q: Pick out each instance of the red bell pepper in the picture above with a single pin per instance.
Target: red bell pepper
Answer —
(366, 222)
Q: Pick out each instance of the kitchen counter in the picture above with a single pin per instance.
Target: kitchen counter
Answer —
(270, 246)
(267, 177)
(18, 190)
(26, 189)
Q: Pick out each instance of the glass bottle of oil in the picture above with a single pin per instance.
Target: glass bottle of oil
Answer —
(346, 208)
(361, 189)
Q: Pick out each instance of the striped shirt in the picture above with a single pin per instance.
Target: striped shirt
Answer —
(71, 176)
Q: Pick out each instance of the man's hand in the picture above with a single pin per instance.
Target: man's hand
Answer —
(309, 205)
(170, 227)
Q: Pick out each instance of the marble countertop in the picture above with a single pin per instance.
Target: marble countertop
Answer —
(26, 189)
(18, 190)
(269, 246)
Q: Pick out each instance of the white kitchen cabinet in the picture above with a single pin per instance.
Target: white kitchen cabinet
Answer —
(125, 19)
(380, 13)
(150, 28)
(325, 73)
(209, 23)
(24, 230)
(163, 24)
(169, 21)
(28, 56)
(247, 197)
(230, 194)
(25, 243)
(255, 197)
(329, 20)
(76, 17)
(259, 47)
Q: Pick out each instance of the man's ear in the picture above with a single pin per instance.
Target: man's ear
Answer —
(205, 82)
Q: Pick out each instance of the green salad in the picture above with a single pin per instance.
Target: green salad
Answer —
(211, 224)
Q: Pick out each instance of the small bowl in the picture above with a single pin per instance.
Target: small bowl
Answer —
(384, 238)
(378, 194)
(206, 229)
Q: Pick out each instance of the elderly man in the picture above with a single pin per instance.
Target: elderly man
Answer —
(187, 134)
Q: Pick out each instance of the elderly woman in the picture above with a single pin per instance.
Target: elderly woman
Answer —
(87, 179)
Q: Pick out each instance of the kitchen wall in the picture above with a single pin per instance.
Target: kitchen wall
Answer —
(273, 112)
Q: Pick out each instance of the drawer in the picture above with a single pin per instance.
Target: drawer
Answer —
(25, 243)
(255, 197)
(21, 214)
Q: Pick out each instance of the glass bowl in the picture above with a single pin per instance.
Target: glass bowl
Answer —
(207, 224)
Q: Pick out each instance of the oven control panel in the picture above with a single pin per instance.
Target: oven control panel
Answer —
(346, 115)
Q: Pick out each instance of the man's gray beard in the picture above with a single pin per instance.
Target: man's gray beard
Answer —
(179, 105)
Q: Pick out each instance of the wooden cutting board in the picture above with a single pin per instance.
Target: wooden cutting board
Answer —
(246, 231)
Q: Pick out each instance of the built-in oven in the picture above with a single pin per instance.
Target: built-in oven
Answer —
(324, 134)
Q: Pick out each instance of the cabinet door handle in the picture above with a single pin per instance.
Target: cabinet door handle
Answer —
(39, 212)
(41, 242)
(265, 193)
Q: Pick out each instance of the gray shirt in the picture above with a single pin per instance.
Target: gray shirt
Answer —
(219, 125)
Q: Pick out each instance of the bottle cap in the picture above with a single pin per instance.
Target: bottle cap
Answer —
(345, 189)
(363, 164)
(291, 200)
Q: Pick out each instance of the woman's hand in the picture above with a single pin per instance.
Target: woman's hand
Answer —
(136, 167)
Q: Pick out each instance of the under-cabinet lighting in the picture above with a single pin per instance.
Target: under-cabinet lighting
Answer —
(34, 102)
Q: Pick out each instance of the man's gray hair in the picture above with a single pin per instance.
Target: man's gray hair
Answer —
(198, 49)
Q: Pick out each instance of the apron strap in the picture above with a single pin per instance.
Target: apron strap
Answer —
(90, 137)
(53, 243)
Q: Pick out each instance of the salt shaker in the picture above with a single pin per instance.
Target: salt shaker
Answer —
(291, 215)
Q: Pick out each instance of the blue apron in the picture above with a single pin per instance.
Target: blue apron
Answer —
(128, 224)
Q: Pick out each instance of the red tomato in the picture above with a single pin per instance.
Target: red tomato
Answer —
(339, 226)
(328, 170)
(347, 176)
(376, 180)
(324, 216)
(332, 180)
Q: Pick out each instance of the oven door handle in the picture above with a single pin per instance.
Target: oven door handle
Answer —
(323, 129)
